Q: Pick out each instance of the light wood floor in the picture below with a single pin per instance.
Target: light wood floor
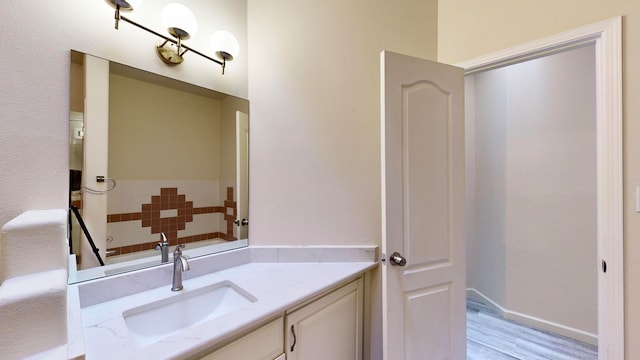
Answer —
(490, 337)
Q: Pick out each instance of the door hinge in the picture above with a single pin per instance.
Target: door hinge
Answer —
(604, 266)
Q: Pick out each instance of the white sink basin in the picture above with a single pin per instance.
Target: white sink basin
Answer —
(160, 319)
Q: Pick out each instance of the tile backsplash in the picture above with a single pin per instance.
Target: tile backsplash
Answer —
(185, 212)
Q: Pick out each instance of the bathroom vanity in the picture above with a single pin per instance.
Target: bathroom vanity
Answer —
(251, 303)
(328, 327)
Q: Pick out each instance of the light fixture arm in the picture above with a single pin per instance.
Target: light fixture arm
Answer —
(180, 45)
(117, 16)
(177, 42)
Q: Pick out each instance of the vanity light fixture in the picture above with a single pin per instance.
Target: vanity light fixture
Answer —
(181, 24)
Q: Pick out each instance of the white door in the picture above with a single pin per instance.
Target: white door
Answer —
(242, 173)
(96, 157)
(423, 209)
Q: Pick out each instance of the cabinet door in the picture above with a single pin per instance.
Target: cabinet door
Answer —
(262, 344)
(328, 328)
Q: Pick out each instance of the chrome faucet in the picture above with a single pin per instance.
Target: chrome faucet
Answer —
(163, 246)
(180, 264)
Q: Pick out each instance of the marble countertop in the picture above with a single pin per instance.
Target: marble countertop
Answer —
(277, 283)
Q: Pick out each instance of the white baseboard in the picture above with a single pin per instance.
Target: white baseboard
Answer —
(534, 321)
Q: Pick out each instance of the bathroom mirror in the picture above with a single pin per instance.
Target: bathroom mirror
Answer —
(150, 155)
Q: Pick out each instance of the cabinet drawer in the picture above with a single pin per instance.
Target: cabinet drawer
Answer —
(262, 344)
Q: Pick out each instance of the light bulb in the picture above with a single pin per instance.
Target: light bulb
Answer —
(225, 45)
(179, 21)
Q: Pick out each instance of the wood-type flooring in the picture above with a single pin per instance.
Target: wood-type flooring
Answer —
(490, 337)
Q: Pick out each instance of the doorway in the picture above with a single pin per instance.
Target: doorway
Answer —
(531, 185)
(604, 37)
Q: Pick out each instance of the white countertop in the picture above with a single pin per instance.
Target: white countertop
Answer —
(278, 286)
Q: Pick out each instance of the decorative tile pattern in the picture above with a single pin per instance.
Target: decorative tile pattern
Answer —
(169, 199)
(230, 204)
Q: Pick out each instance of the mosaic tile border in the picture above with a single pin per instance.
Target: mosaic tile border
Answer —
(169, 199)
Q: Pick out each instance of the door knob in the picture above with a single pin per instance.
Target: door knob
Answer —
(397, 260)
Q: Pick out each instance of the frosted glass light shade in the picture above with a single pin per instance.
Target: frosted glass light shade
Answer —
(225, 45)
(179, 21)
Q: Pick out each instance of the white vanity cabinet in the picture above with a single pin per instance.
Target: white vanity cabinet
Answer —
(327, 328)
(262, 344)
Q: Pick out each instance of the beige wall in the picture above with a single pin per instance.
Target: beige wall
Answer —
(551, 190)
(470, 28)
(76, 88)
(486, 181)
(315, 125)
(160, 133)
(534, 246)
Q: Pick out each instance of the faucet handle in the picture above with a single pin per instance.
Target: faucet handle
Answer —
(163, 239)
(178, 250)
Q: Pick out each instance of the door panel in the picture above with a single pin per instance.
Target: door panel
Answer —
(423, 306)
(422, 102)
(423, 204)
